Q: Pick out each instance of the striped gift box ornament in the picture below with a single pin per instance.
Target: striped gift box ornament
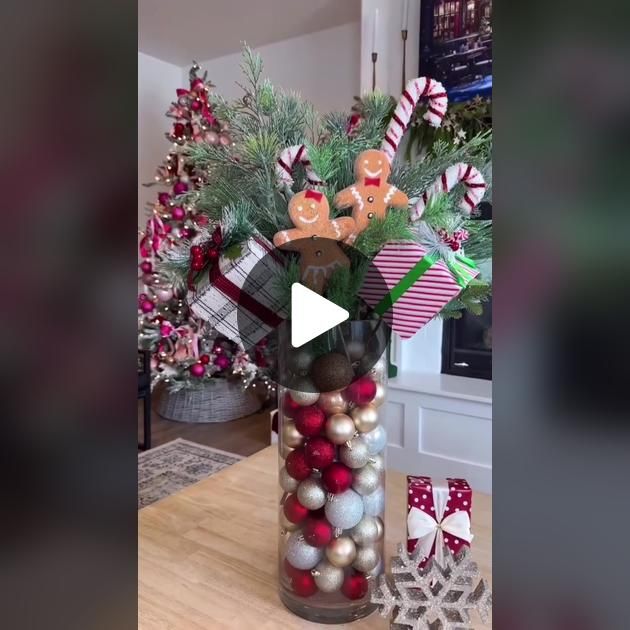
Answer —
(409, 288)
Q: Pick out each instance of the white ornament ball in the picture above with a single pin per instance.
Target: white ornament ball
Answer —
(287, 483)
(365, 480)
(344, 510)
(311, 493)
(303, 392)
(374, 504)
(355, 454)
(367, 558)
(375, 440)
(367, 531)
(328, 577)
(300, 554)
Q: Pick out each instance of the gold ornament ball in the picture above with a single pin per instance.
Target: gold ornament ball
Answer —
(290, 435)
(367, 558)
(367, 531)
(379, 397)
(365, 418)
(341, 551)
(285, 450)
(340, 428)
(287, 483)
(311, 494)
(285, 524)
(328, 577)
(355, 454)
(303, 392)
(365, 480)
(333, 402)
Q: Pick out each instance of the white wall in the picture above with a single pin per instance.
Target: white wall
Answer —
(157, 82)
(323, 67)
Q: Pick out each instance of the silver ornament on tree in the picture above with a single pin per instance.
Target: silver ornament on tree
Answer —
(328, 577)
(365, 418)
(300, 554)
(368, 530)
(374, 503)
(378, 463)
(365, 480)
(375, 440)
(355, 454)
(311, 493)
(303, 391)
(367, 558)
(287, 483)
(341, 551)
(340, 428)
(344, 510)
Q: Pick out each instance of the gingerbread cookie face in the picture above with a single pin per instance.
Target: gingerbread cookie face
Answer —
(372, 194)
(315, 237)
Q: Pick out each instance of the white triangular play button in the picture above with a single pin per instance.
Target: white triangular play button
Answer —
(312, 315)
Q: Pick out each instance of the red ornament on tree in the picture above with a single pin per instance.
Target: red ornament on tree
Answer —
(294, 510)
(318, 532)
(205, 359)
(196, 251)
(355, 585)
(197, 370)
(302, 583)
(197, 264)
(362, 391)
(146, 267)
(296, 465)
(178, 213)
(337, 478)
(290, 407)
(309, 421)
(320, 452)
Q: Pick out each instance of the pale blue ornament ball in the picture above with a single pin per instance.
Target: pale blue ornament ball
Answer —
(300, 554)
(344, 510)
(374, 504)
(376, 440)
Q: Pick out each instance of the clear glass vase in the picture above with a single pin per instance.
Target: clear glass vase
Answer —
(331, 457)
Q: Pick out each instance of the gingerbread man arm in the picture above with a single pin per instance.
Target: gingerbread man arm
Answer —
(398, 199)
(344, 226)
(344, 198)
(286, 239)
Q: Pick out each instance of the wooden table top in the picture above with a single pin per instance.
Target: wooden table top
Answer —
(207, 554)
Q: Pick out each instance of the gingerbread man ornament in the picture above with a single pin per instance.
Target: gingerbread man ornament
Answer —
(372, 194)
(315, 237)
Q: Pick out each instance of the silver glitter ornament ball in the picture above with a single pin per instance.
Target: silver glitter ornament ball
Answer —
(374, 504)
(300, 554)
(328, 577)
(367, 558)
(378, 463)
(287, 483)
(365, 480)
(367, 531)
(311, 494)
(344, 510)
(356, 453)
(376, 440)
(303, 391)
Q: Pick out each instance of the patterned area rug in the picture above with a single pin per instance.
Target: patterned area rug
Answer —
(171, 467)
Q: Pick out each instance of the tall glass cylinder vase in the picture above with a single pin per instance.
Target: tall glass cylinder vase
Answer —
(331, 459)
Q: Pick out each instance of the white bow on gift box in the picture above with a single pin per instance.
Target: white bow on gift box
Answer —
(429, 530)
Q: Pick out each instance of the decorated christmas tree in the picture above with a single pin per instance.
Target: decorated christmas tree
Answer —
(185, 351)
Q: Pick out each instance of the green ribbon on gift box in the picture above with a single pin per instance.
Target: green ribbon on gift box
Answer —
(460, 267)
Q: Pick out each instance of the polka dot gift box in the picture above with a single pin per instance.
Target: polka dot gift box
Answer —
(438, 513)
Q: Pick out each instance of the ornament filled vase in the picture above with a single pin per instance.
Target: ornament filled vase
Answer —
(331, 454)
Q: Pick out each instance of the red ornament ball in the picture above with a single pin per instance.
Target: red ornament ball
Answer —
(147, 306)
(337, 478)
(168, 228)
(355, 585)
(164, 198)
(318, 532)
(289, 406)
(294, 510)
(197, 264)
(180, 188)
(197, 370)
(178, 213)
(289, 569)
(362, 391)
(178, 130)
(205, 359)
(222, 362)
(196, 251)
(296, 465)
(309, 421)
(195, 106)
(302, 583)
(146, 266)
(320, 452)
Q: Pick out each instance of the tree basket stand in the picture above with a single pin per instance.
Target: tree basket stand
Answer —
(220, 400)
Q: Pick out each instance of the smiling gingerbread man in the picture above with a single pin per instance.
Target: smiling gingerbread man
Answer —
(315, 237)
(371, 195)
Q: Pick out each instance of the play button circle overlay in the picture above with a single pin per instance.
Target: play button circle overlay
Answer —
(279, 315)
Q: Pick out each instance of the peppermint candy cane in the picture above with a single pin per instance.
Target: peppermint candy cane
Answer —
(465, 173)
(422, 87)
(287, 161)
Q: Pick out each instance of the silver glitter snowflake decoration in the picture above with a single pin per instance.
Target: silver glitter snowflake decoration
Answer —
(434, 597)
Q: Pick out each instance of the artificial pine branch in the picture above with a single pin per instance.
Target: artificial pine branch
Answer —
(394, 227)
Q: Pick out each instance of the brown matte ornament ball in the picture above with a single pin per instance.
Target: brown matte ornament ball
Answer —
(331, 372)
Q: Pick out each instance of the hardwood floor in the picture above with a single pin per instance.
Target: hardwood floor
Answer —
(244, 436)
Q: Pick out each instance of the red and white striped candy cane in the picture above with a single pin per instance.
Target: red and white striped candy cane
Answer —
(287, 162)
(422, 87)
(460, 172)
